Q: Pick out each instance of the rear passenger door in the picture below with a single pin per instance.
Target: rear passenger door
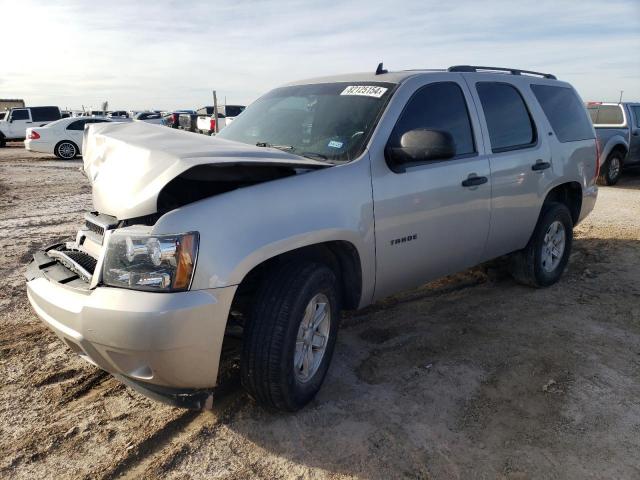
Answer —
(520, 160)
(427, 224)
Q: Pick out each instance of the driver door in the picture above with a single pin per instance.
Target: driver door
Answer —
(19, 121)
(429, 222)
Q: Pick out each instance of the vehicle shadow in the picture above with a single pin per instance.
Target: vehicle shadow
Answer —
(630, 178)
(470, 379)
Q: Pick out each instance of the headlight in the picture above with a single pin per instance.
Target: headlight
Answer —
(150, 262)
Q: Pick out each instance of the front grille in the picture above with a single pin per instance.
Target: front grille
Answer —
(94, 228)
(86, 261)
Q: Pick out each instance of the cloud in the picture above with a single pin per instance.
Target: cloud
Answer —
(168, 54)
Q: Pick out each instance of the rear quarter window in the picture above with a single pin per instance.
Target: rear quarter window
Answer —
(565, 112)
(45, 114)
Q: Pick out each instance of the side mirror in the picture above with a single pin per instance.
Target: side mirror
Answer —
(11, 120)
(421, 145)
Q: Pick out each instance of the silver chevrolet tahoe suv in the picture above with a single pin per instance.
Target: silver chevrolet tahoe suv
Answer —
(324, 195)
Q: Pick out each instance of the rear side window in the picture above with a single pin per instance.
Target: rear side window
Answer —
(45, 114)
(233, 110)
(77, 125)
(564, 111)
(606, 115)
(508, 120)
(438, 106)
(22, 114)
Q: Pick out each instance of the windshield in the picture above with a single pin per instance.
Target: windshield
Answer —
(328, 121)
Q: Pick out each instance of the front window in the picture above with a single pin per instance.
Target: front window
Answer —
(327, 121)
(19, 114)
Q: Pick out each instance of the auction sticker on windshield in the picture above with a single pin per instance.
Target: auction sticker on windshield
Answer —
(364, 90)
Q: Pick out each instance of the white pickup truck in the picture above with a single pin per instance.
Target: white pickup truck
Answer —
(226, 114)
(17, 120)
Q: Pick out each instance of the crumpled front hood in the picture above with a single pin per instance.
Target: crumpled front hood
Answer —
(128, 164)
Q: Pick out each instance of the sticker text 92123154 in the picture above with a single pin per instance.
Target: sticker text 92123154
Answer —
(364, 90)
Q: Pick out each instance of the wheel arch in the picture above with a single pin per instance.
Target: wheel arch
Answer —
(569, 194)
(616, 143)
(341, 256)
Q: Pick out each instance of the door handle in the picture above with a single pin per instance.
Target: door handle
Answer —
(474, 181)
(28, 122)
(540, 165)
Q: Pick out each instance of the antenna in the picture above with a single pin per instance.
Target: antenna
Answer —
(380, 70)
(621, 92)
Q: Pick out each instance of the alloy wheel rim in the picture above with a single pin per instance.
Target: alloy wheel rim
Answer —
(67, 150)
(553, 246)
(312, 338)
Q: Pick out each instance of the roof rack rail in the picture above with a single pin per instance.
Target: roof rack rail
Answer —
(512, 71)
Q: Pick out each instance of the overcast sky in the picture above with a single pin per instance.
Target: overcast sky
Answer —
(171, 54)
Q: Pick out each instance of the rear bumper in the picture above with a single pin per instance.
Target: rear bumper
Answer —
(170, 340)
(38, 146)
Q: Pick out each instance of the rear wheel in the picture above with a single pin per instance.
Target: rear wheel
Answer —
(542, 262)
(66, 150)
(611, 170)
(289, 339)
(3, 142)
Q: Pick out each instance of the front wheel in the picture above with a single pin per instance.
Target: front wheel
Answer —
(289, 339)
(66, 150)
(611, 169)
(542, 262)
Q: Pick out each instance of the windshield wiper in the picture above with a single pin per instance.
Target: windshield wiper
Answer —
(279, 147)
(314, 155)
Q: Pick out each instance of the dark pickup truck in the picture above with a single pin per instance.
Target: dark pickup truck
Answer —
(618, 130)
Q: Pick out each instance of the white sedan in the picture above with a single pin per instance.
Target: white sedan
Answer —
(63, 137)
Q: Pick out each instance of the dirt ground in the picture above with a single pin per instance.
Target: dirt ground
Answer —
(473, 376)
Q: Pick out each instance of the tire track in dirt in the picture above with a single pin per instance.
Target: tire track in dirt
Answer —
(165, 447)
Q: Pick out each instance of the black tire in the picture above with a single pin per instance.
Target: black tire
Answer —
(66, 150)
(3, 142)
(611, 169)
(530, 266)
(269, 340)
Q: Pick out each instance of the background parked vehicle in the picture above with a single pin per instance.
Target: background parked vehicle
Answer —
(15, 124)
(188, 122)
(618, 130)
(231, 112)
(62, 138)
(118, 114)
(172, 119)
(149, 117)
(207, 124)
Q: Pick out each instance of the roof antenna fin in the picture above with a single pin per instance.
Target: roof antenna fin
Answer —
(380, 70)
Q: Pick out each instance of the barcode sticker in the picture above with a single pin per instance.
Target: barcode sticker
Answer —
(364, 90)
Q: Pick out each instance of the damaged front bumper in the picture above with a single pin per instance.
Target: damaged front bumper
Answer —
(166, 343)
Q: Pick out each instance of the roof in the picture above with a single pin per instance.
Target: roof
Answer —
(400, 76)
(391, 77)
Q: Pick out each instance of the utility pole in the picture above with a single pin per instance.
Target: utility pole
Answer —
(215, 110)
(621, 92)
